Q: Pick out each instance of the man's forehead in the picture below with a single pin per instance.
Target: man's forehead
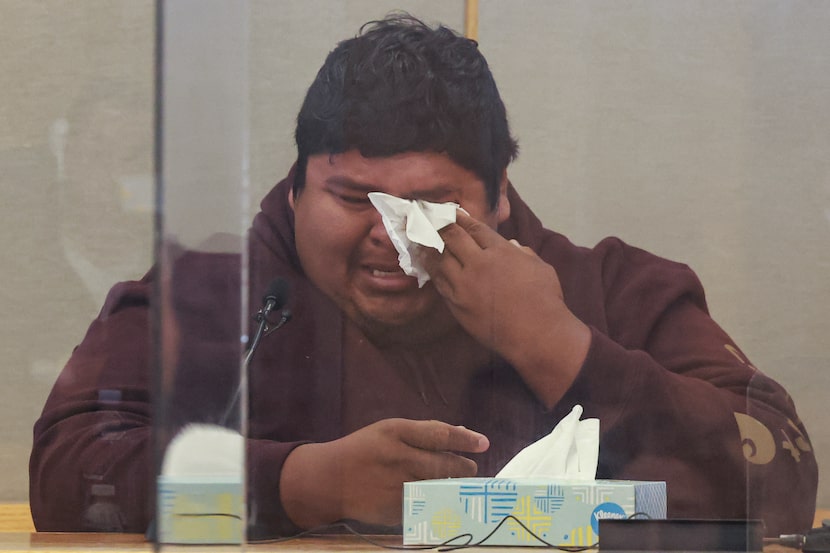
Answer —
(419, 171)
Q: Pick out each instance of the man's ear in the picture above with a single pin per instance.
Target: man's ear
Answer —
(291, 197)
(503, 204)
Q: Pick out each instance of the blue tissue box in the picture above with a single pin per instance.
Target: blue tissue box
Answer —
(560, 512)
(200, 510)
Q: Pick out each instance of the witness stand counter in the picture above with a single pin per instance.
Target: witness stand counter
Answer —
(17, 533)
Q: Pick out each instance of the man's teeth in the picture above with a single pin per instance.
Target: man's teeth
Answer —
(379, 273)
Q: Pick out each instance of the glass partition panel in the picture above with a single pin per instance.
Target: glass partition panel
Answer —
(76, 169)
(202, 319)
(700, 136)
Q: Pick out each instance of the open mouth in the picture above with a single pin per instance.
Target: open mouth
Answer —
(389, 278)
(382, 273)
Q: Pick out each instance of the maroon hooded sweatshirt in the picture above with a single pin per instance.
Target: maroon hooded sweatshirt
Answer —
(676, 399)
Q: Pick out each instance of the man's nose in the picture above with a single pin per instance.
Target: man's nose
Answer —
(377, 232)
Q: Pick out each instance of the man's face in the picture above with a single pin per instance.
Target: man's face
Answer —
(343, 245)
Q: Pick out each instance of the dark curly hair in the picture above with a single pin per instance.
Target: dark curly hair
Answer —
(402, 86)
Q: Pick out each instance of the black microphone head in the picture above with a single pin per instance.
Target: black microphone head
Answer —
(277, 292)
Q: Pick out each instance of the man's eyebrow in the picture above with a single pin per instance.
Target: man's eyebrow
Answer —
(346, 182)
(439, 191)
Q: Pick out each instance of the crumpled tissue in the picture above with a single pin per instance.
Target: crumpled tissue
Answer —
(411, 224)
(570, 451)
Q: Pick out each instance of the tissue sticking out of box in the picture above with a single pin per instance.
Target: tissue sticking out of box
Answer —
(201, 496)
(570, 451)
(204, 450)
(411, 224)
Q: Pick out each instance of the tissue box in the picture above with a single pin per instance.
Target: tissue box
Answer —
(200, 510)
(561, 512)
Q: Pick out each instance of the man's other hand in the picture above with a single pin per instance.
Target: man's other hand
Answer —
(361, 476)
(511, 301)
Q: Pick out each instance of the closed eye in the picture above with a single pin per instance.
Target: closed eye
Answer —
(353, 199)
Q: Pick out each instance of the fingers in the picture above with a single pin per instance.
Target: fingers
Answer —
(468, 236)
(483, 235)
(463, 242)
(430, 464)
(440, 436)
(433, 443)
(470, 245)
(524, 249)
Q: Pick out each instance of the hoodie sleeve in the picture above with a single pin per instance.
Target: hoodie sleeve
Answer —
(90, 466)
(678, 401)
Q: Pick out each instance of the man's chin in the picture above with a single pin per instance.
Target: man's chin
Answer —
(391, 324)
(388, 319)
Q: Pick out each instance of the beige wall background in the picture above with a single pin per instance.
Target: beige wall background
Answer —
(697, 130)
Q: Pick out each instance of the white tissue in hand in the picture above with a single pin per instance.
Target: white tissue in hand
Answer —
(570, 451)
(204, 450)
(411, 224)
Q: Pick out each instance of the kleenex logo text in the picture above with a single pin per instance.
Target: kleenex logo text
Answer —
(605, 510)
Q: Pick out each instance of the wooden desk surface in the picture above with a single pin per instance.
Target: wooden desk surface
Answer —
(17, 534)
(16, 517)
(16, 542)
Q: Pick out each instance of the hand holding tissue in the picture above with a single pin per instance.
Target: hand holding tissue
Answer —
(546, 495)
(412, 224)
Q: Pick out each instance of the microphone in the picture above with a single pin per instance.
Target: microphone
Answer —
(276, 296)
